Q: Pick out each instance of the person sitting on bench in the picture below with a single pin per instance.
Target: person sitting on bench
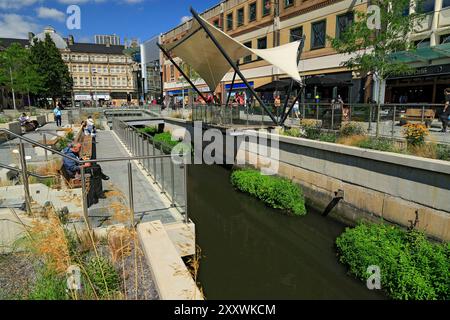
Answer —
(24, 121)
(73, 170)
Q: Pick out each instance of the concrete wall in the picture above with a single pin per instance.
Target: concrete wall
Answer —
(376, 184)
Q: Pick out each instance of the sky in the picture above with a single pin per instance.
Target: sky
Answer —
(141, 19)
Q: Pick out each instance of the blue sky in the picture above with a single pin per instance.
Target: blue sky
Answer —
(140, 19)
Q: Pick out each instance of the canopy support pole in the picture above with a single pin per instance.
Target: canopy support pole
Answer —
(231, 88)
(286, 102)
(292, 106)
(181, 71)
(232, 64)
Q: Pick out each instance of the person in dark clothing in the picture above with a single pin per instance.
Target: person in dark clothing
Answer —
(73, 169)
(446, 113)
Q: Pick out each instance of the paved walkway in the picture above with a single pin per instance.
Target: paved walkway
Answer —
(149, 203)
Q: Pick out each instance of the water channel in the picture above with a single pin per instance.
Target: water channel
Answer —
(250, 251)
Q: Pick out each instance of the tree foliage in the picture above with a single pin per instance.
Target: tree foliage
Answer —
(372, 48)
(57, 81)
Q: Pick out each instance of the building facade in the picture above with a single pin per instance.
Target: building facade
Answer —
(101, 73)
(111, 39)
(265, 24)
(151, 70)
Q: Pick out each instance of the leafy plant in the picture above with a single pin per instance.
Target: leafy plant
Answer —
(412, 267)
(380, 144)
(443, 152)
(415, 133)
(149, 130)
(294, 132)
(328, 137)
(352, 129)
(103, 276)
(48, 286)
(277, 192)
(311, 127)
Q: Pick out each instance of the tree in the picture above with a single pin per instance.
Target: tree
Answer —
(57, 81)
(18, 73)
(374, 37)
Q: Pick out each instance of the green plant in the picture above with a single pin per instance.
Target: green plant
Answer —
(443, 152)
(277, 192)
(380, 144)
(311, 127)
(352, 129)
(48, 286)
(103, 276)
(4, 119)
(294, 132)
(415, 133)
(149, 130)
(327, 137)
(412, 267)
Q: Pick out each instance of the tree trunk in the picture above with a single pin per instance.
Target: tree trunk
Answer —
(378, 107)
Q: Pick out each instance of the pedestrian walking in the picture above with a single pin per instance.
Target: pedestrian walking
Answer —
(58, 116)
(446, 113)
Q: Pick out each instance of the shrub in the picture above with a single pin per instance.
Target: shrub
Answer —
(412, 268)
(276, 192)
(103, 276)
(352, 129)
(294, 132)
(311, 127)
(48, 286)
(380, 144)
(149, 130)
(443, 152)
(328, 137)
(353, 141)
(415, 133)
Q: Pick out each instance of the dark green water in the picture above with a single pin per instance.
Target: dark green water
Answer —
(254, 252)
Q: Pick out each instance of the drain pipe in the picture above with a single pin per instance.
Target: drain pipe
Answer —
(338, 196)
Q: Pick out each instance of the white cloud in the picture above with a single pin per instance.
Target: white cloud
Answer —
(73, 1)
(133, 1)
(185, 18)
(16, 26)
(50, 13)
(15, 4)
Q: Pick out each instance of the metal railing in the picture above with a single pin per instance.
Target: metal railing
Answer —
(25, 172)
(156, 159)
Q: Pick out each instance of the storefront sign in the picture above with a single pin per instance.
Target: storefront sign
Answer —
(425, 71)
(239, 85)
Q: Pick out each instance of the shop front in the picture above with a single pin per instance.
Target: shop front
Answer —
(421, 85)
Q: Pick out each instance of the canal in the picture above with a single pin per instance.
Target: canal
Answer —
(250, 251)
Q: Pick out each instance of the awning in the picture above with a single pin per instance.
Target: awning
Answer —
(197, 50)
(277, 85)
(326, 81)
(423, 54)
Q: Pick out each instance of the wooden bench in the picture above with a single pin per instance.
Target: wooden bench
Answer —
(86, 152)
(427, 115)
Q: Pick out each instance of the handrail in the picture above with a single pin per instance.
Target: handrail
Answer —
(28, 172)
(33, 142)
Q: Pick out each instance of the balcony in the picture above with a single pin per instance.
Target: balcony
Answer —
(444, 18)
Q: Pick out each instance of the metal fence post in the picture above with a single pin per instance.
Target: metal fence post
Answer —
(45, 143)
(84, 197)
(370, 117)
(130, 191)
(332, 117)
(393, 122)
(154, 161)
(423, 114)
(162, 168)
(172, 173)
(26, 186)
(185, 195)
(148, 153)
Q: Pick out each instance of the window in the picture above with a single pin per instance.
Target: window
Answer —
(288, 3)
(425, 6)
(318, 34)
(445, 38)
(230, 21)
(248, 58)
(445, 3)
(172, 72)
(296, 34)
(266, 7)
(217, 23)
(425, 43)
(262, 44)
(343, 23)
(240, 17)
(252, 12)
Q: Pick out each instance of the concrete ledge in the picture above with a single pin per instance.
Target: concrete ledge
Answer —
(40, 119)
(171, 276)
(11, 229)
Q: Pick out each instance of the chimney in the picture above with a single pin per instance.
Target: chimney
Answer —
(70, 40)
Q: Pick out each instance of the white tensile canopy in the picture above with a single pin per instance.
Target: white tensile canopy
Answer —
(200, 52)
